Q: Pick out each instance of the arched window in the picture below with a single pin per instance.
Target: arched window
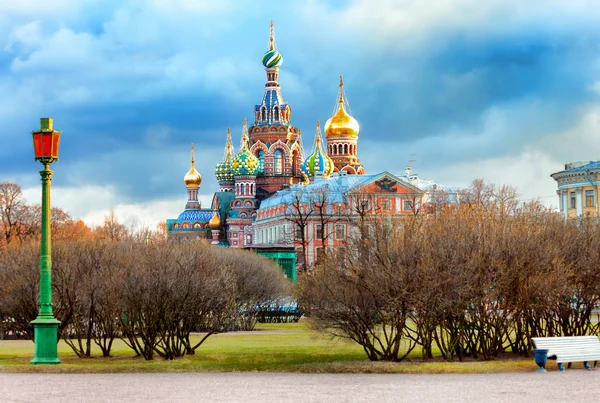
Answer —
(295, 162)
(345, 148)
(243, 189)
(276, 111)
(261, 161)
(278, 162)
(263, 113)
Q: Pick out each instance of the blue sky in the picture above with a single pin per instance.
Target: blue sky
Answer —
(500, 89)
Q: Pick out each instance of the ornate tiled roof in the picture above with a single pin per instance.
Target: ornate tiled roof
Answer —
(195, 215)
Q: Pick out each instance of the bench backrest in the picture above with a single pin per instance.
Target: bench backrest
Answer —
(570, 348)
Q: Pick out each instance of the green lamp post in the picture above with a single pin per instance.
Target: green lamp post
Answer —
(45, 145)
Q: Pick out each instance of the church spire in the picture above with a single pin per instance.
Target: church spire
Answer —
(272, 37)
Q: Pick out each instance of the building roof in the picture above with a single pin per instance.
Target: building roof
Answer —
(581, 166)
(336, 187)
(576, 168)
(195, 215)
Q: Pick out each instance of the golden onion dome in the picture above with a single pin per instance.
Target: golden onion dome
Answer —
(192, 178)
(341, 123)
(215, 221)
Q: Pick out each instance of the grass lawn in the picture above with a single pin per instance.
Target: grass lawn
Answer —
(273, 347)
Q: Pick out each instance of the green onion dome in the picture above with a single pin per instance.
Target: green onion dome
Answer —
(224, 169)
(272, 58)
(318, 160)
(244, 163)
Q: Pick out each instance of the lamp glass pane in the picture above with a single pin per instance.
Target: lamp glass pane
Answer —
(55, 144)
(46, 144)
(37, 145)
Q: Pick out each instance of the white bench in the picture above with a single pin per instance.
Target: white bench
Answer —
(570, 349)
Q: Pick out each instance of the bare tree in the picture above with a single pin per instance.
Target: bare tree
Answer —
(12, 208)
(323, 211)
(112, 229)
(300, 212)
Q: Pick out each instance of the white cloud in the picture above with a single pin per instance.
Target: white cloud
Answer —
(92, 203)
(527, 167)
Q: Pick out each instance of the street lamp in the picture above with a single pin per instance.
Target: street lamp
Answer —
(45, 145)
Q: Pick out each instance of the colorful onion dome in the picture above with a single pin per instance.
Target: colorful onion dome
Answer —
(341, 124)
(272, 58)
(224, 170)
(318, 161)
(215, 221)
(244, 162)
(192, 178)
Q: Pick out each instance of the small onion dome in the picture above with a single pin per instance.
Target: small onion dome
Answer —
(192, 178)
(272, 58)
(244, 163)
(215, 221)
(223, 170)
(341, 124)
(318, 161)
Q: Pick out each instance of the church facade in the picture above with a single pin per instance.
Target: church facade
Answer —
(269, 176)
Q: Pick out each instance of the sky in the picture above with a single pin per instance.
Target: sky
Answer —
(504, 90)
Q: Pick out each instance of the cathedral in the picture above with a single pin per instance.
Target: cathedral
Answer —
(270, 158)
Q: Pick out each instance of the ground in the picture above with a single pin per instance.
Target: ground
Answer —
(272, 348)
(573, 385)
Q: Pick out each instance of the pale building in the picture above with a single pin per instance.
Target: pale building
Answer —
(578, 189)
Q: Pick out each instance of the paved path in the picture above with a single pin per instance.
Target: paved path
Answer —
(570, 386)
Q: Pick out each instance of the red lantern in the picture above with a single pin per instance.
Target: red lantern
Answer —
(46, 142)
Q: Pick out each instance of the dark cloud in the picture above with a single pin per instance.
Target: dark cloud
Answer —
(131, 87)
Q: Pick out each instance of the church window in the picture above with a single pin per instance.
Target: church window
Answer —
(278, 162)
(263, 113)
(573, 200)
(295, 162)
(243, 191)
(276, 112)
(261, 161)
